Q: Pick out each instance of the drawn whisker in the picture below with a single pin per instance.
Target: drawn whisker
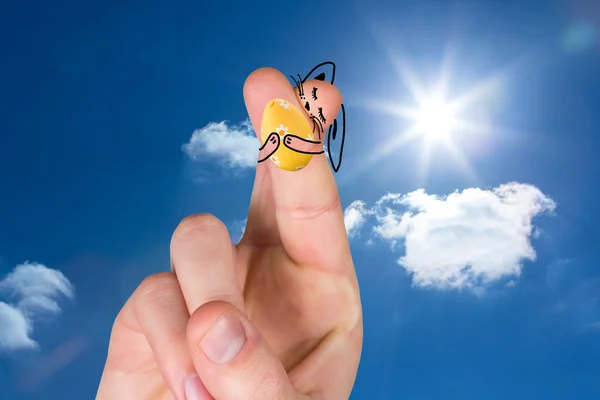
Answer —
(318, 125)
(315, 127)
(300, 85)
(295, 81)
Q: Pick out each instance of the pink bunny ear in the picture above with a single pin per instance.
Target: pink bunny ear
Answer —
(326, 73)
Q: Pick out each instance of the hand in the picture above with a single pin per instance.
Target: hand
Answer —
(277, 317)
(300, 145)
(269, 147)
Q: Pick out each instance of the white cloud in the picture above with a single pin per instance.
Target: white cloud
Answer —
(465, 239)
(237, 230)
(15, 330)
(234, 146)
(243, 224)
(355, 216)
(31, 289)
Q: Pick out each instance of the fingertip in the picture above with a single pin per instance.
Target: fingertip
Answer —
(262, 76)
(336, 95)
(195, 389)
(204, 317)
(331, 99)
(219, 322)
(225, 346)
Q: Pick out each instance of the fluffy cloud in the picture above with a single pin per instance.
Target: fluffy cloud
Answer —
(464, 239)
(233, 146)
(31, 290)
(355, 217)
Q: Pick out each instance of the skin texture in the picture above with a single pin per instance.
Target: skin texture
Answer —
(290, 282)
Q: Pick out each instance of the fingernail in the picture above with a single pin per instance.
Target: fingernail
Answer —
(224, 340)
(195, 389)
(283, 117)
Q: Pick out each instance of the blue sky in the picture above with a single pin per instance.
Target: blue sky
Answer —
(487, 293)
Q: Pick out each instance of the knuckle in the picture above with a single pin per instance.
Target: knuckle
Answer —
(266, 380)
(313, 211)
(156, 293)
(198, 224)
(269, 386)
(155, 284)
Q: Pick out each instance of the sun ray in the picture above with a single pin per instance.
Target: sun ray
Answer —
(424, 162)
(389, 108)
(400, 63)
(466, 126)
(463, 162)
(433, 113)
(483, 89)
(445, 74)
(388, 148)
(409, 79)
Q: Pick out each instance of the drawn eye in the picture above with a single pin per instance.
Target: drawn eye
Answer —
(314, 93)
(321, 117)
(307, 106)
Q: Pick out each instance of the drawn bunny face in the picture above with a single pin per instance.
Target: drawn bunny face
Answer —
(316, 95)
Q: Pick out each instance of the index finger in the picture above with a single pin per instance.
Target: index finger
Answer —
(306, 203)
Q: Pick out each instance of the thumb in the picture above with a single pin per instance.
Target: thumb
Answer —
(232, 358)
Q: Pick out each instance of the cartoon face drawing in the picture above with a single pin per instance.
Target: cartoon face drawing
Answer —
(315, 91)
(315, 96)
(320, 100)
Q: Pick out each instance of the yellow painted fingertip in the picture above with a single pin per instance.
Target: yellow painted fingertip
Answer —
(282, 117)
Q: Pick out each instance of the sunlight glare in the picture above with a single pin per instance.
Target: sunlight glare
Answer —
(435, 119)
(433, 113)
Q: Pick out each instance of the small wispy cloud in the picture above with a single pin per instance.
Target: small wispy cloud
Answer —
(592, 327)
(31, 290)
(462, 240)
(230, 145)
(355, 216)
(237, 229)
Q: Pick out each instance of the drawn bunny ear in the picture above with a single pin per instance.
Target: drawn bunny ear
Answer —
(337, 139)
(322, 72)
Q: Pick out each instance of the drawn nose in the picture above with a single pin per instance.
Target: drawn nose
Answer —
(307, 106)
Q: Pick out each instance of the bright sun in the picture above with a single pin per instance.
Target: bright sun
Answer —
(435, 119)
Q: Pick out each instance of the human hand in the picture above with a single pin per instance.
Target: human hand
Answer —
(301, 145)
(269, 147)
(287, 292)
